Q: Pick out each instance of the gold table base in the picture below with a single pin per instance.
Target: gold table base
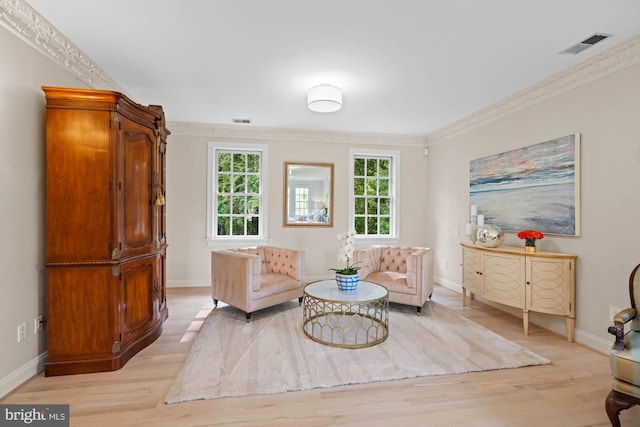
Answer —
(346, 324)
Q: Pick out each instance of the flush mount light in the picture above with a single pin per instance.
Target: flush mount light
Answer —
(324, 98)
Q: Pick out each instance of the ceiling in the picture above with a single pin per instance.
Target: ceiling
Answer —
(405, 66)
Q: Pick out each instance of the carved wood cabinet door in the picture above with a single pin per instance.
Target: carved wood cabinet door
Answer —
(137, 226)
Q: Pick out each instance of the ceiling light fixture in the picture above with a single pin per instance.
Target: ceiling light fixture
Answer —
(324, 98)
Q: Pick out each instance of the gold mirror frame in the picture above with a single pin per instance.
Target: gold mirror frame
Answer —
(314, 185)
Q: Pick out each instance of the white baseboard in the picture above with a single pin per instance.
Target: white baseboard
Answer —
(456, 287)
(22, 375)
(589, 340)
(188, 283)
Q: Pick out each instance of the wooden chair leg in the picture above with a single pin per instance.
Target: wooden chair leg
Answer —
(615, 403)
(248, 316)
(418, 310)
(215, 303)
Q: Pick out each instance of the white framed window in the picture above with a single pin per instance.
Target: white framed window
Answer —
(374, 193)
(236, 179)
(301, 201)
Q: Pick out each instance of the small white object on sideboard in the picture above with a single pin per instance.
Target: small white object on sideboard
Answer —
(540, 281)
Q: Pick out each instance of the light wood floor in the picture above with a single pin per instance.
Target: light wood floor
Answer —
(569, 392)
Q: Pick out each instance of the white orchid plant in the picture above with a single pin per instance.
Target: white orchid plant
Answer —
(345, 253)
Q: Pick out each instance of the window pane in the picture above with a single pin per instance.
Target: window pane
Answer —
(384, 225)
(372, 206)
(253, 163)
(360, 206)
(224, 162)
(385, 206)
(383, 187)
(372, 225)
(372, 167)
(238, 183)
(224, 183)
(384, 167)
(238, 226)
(223, 226)
(359, 225)
(239, 162)
(372, 187)
(253, 184)
(224, 205)
(358, 186)
(252, 226)
(358, 167)
(238, 205)
(253, 205)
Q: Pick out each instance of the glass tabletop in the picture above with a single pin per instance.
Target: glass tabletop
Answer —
(328, 290)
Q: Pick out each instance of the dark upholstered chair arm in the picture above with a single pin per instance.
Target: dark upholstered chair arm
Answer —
(626, 315)
(619, 321)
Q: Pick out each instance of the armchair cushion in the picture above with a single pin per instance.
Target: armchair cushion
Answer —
(625, 364)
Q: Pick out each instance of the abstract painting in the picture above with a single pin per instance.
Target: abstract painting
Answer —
(536, 187)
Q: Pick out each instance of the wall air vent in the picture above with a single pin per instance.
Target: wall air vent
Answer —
(586, 43)
(241, 121)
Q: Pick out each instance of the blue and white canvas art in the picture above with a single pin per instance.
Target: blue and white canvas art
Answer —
(535, 187)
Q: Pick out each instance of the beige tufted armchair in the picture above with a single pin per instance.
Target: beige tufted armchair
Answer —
(625, 356)
(406, 272)
(254, 278)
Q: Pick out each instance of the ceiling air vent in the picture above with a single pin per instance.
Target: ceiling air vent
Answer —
(241, 121)
(585, 44)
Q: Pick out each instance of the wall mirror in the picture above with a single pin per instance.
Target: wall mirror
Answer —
(308, 194)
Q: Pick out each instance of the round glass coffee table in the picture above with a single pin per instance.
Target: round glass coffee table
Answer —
(354, 319)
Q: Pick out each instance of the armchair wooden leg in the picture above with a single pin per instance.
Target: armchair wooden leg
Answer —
(248, 316)
(215, 303)
(418, 310)
(615, 403)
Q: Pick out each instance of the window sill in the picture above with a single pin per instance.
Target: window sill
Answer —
(377, 240)
(220, 242)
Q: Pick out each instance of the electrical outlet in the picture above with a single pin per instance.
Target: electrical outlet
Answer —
(38, 324)
(22, 332)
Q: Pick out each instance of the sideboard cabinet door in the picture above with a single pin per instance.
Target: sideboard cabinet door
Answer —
(503, 276)
(471, 273)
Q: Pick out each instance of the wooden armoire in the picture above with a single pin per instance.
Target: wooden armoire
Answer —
(105, 218)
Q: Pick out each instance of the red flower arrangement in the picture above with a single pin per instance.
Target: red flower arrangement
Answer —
(530, 236)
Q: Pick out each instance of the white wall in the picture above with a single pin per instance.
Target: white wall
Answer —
(188, 261)
(434, 191)
(606, 112)
(22, 203)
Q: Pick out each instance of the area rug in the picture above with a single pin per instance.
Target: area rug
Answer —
(271, 354)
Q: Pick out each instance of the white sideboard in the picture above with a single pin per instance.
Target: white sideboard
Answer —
(540, 281)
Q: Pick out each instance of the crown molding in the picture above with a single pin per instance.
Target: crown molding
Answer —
(620, 56)
(23, 21)
(266, 134)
